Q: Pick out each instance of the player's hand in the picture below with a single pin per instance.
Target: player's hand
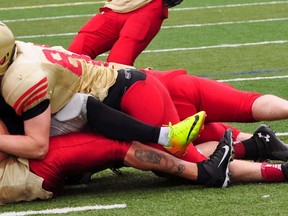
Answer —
(172, 3)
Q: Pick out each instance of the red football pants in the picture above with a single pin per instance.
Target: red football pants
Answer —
(149, 101)
(74, 154)
(222, 102)
(78, 153)
(126, 35)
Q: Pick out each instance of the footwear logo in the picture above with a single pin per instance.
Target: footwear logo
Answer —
(266, 137)
(193, 126)
(226, 148)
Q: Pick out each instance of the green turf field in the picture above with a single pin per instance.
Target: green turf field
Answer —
(232, 40)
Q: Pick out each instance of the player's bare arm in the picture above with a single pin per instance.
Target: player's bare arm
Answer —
(3, 130)
(34, 144)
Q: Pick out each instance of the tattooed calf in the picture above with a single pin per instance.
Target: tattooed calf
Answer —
(168, 164)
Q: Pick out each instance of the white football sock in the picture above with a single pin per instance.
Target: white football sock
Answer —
(163, 136)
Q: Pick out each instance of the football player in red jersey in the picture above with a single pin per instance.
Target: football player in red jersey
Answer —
(223, 103)
(75, 153)
(128, 25)
(262, 145)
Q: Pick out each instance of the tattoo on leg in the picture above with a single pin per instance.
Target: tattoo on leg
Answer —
(168, 164)
(180, 169)
(148, 156)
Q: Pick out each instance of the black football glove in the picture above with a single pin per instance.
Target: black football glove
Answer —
(172, 3)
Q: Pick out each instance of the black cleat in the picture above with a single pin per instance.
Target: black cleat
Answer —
(217, 166)
(284, 168)
(269, 145)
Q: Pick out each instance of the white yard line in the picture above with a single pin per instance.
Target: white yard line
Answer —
(183, 49)
(64, 210)
(225, 23)
(253, 78)
(230, 6)
(282, 134)
(218, 46)
(50, 5)
(173, 9)
(47, 18)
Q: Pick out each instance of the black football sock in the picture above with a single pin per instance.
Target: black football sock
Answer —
(252, 152)
(203, 176)
(115, 124)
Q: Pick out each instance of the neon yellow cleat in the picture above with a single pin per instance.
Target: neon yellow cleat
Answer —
(184, 132)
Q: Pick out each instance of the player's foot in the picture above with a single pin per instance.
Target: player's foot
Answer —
(75, 107)
(184, 132)
(284, 168)
(269, 145)
(217, 166)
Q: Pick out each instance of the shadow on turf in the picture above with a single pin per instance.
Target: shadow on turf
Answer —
(130, 180)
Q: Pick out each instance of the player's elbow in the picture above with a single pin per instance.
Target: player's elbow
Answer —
(41, 151)
(41, 155)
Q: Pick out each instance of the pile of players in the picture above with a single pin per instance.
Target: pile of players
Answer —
(60, 108)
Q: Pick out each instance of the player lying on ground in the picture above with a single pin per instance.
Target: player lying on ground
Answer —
(223, 103)
(272, 148)
(75, 153)
(194, 94)
(241, 170)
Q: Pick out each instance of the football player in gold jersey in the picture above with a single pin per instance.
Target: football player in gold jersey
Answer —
(38, 81)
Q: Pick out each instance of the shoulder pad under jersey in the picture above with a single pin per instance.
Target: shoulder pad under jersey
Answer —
(24, 86)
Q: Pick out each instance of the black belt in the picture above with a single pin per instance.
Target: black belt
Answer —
(125, 79)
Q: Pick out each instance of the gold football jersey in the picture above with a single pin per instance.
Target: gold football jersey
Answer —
(41, 72)
(125, 6)
(18, 183)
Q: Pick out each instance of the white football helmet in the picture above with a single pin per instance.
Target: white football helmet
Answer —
(7, 43)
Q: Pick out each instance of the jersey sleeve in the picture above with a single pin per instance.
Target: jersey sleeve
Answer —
(25, 87)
